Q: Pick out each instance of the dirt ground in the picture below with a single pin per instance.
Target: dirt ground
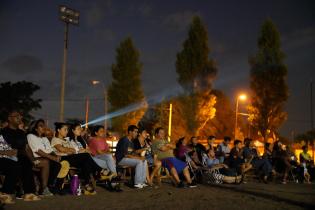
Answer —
(244, 196)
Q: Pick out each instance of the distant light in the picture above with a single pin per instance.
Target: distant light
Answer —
(69, 15)
(95, 82)
(242, 97)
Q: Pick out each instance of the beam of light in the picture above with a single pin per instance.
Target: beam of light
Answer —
(150, 101)
(155, 99)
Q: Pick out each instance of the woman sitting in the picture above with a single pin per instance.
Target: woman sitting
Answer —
(83, 161)
(47, 161)
(75, 135)
(142, 146)
(186, 154)
(100, 150)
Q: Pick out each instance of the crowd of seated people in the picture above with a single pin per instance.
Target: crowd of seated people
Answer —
(39, 152)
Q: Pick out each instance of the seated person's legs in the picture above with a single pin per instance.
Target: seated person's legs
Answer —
(139, 171)
(157, 165)
(11, 170)
(43, 165)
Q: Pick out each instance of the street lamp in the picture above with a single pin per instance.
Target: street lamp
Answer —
(96, 82)
(241, 97)
(68, 16)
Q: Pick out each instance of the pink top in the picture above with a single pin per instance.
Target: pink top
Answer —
(96, 143)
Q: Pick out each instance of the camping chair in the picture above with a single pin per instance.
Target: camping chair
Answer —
(193, 172)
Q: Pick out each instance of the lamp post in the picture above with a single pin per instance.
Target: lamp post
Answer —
(68, 16)
(96, 82)
(241, 97)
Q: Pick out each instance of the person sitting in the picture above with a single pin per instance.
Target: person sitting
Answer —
(210, 143)
(100, 150)
(64, 148)
(197, 147)
(236, 159)
(229, 174)
(164, 152)
(267, 152)
(80, 145)
(126, 156)
(306, 158)
(262, 166)
(48, 161)
(185, 153)
(223, 150)
(142, 146)
(15, 162)
(281, 160)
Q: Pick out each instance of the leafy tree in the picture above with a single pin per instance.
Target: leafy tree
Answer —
(194, 68)
(126, 86)
(18, 96)
(195, 74)
(268, 82)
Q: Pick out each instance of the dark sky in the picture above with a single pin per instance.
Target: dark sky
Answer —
(31, 47)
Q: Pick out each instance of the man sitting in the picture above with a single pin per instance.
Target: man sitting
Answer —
(125, 156)
(261, 165)
(164, 151)
(229, 174)
(14, 160)
(223, 150)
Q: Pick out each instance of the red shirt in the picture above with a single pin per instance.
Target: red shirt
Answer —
(98, 144)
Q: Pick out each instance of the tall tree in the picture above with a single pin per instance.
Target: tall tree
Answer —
(268, 82)
(126, 86)
(194, 68)
(18, 96)
(196, 72)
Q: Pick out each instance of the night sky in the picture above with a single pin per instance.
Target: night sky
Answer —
(31, 47)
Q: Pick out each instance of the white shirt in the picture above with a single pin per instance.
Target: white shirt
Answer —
(63, 142)
(39, 143)
(224, 148)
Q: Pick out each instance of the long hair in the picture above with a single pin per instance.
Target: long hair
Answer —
(33, 126)
(59, 125)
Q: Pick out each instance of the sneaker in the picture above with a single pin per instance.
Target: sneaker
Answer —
(46, 192)
(138, 186)
(192, 185)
